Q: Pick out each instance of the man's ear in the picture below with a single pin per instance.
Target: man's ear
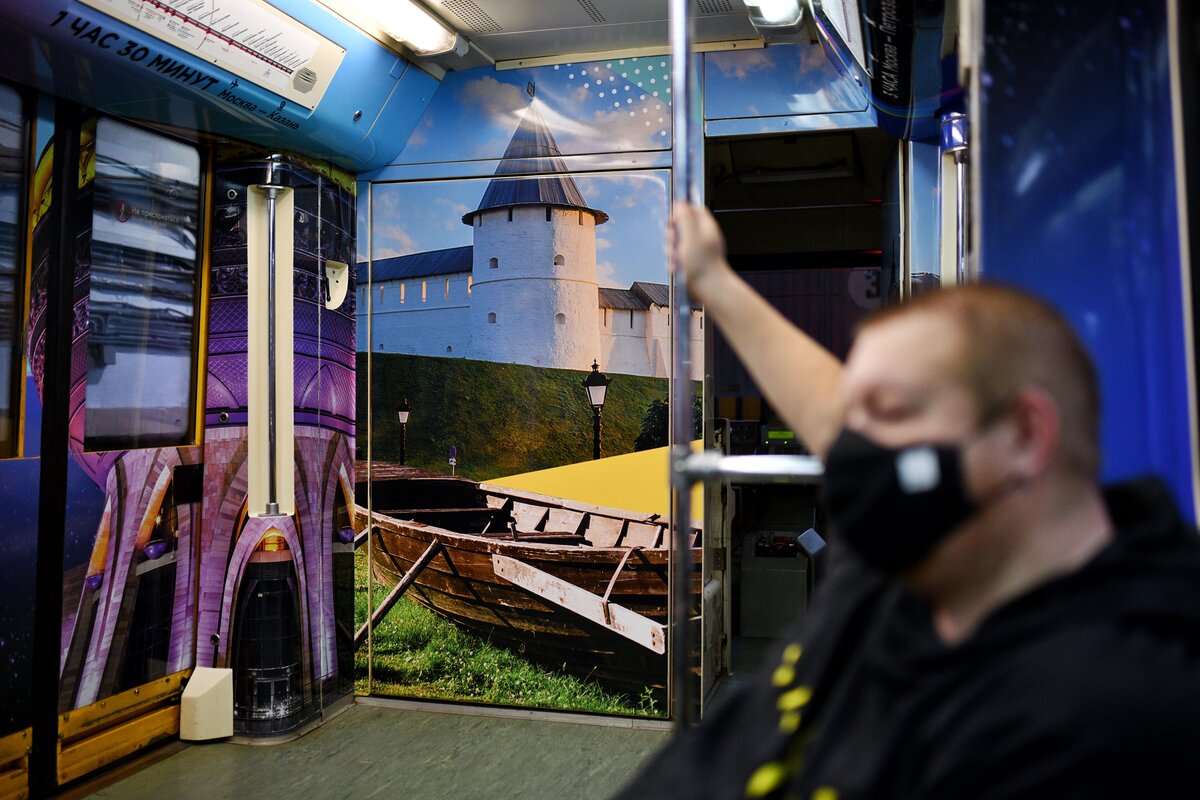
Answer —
(1037, 431)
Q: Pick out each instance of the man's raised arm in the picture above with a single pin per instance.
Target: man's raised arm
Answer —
(799, 377)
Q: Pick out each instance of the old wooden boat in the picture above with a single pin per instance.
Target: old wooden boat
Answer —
(564, 584)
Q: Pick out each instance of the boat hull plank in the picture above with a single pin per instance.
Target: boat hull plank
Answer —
(580, 550)
(633, 626)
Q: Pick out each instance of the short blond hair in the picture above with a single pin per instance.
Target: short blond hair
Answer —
(1012, 339)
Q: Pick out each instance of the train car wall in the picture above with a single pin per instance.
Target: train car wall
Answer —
(290, 663)
(1076, 201)
(373, 100)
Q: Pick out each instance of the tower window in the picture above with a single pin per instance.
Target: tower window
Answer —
(470, 283)
(580, 217)
(446, 290)
(510, 214)
(493, 263)
(424, 288)
(402, 285)
(631, 318)
(559, 261)
(547, 213)
(560, 318)
(491, 317)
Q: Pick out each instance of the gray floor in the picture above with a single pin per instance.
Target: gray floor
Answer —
(407, 752)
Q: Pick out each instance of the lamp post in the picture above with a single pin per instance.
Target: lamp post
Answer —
(403, 414)
(596, 385)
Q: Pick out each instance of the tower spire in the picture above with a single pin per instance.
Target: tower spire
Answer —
(532, 150)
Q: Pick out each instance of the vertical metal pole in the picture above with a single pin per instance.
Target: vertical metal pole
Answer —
(272, 193)
(684, 185)
(369, 311)
(954, 141)
(960, 168)
(595, 433)
(902, 201)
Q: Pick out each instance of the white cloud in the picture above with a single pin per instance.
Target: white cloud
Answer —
(606, 275)
(602, 243)
(501, 103)
(391, 239)
(420, 134)
(740, 63)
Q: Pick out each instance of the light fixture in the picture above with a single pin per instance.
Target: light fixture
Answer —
(774, 13)
(403, 413)
(410, 23)
(779, 20)
(596, 384)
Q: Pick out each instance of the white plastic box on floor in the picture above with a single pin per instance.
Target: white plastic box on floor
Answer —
(206, 711)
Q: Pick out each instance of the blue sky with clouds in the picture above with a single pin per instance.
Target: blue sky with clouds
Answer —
(416, 217)
(612, 106)
(600, 107)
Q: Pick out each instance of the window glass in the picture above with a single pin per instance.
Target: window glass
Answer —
(144, 286)
(12, 182)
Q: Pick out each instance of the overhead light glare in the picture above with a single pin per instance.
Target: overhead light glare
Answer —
(774, 13)
(407, 22)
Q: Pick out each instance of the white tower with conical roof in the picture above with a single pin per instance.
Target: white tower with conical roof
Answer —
(533, 269)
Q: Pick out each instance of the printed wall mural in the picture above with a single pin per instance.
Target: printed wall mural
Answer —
(615, 106)
(777, 81)
(138, 547)
(274, 591)
(490, 300)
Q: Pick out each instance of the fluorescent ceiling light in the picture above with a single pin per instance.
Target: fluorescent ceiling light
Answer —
(407, 22)
(774, 13)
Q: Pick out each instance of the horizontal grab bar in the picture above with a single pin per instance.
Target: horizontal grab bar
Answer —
(710, 466)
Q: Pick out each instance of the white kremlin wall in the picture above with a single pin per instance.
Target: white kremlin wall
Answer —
(424, 316)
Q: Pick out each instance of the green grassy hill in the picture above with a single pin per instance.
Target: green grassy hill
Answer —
(503, 418)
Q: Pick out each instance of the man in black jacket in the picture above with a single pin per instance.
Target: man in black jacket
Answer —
(994, 624)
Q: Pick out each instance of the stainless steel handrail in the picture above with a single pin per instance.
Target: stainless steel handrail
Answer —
(684, 185)
(711, 466)
(272, 191)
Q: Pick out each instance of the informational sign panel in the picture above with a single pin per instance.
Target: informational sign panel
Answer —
(249, 38)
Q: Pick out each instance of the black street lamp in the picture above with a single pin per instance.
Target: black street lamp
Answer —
(596, 385)
(403, 414)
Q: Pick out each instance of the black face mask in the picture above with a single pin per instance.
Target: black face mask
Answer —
(893, 506)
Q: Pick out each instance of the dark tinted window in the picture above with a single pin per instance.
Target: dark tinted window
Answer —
(13, 143)
(144, 287)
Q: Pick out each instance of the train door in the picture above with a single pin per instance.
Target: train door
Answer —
(829, 217)
(20, 437)
(114, 342)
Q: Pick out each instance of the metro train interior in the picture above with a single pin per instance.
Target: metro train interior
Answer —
(342, 360)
